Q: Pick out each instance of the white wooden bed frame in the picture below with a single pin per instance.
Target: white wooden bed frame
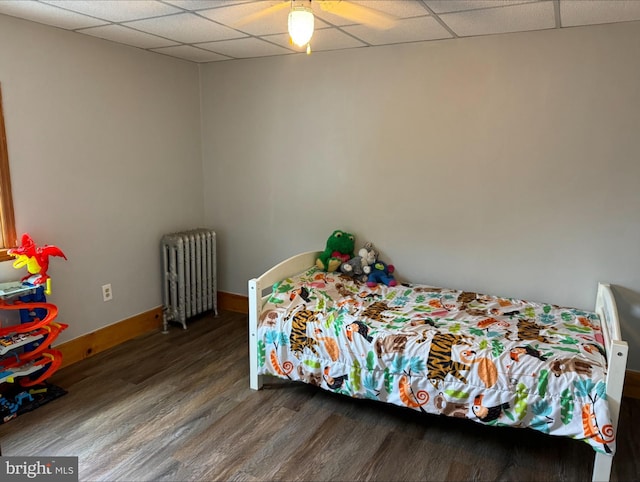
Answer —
(616, 349)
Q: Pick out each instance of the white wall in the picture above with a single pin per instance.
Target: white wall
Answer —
(104, 151)
(505, 164)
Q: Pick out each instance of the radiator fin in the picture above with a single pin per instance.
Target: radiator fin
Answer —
(189, 280)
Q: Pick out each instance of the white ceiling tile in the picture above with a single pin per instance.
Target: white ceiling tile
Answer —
(193, 54)
(518, 18)
(332, 39)
(444, 6)
(331, 18)
(116, 10)
(407, 30)
(283, 40)
(195, 5)
(186, 27)
(323, 39)
(598, 11)
(127, 36)
(245, 48)
(47, 14)
(273, 23)
(399, 9)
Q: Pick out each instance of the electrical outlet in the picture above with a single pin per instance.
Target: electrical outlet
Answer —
(107, 294)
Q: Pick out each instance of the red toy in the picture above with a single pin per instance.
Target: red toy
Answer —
(36, 259)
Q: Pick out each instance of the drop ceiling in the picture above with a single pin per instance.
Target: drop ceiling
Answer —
(207, 30)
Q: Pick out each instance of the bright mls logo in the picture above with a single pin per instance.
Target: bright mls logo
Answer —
(52, 469)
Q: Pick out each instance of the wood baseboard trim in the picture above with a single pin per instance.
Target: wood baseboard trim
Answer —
(95, 342)
(233, 302)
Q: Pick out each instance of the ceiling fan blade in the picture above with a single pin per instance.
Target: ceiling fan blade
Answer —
(358, 13)
(241, 22)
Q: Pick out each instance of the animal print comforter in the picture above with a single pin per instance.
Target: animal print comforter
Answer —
(498, 361)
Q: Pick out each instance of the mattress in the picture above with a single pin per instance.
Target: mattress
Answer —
(495, 360)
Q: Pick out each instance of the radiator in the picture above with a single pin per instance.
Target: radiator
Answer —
(189, 262)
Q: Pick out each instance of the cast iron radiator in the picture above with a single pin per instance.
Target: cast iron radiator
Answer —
(189, 262)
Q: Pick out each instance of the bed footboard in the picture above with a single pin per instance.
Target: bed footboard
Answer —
(617, 352)
(257, 288)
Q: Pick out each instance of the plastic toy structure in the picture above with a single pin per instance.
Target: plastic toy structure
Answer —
(26, 357)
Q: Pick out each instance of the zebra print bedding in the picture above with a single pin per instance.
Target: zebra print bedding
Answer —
(495, 360)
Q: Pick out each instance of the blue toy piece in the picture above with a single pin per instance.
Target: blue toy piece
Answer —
(7, 407)
(28, 315)
(38, 296)
(381, 273)
(10, 406)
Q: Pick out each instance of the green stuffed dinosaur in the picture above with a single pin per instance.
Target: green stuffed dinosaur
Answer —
(339, 249)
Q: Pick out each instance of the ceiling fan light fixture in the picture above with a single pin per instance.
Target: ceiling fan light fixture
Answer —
(301, 24)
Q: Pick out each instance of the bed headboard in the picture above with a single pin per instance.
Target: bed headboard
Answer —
(289, 267)
(607, 310)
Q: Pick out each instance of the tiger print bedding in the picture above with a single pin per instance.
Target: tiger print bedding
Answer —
(497, 361)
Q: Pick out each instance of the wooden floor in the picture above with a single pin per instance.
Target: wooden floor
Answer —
(177, 407)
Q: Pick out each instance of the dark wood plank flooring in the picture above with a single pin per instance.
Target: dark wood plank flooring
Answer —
(178, 407)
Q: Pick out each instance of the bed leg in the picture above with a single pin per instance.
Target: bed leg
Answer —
(602, 468)
(256, 382)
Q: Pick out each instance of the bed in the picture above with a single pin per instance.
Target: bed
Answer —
(494, 360)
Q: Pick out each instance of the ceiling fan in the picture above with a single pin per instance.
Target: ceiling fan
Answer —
(301, 17)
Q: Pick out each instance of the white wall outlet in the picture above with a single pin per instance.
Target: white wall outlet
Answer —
(107, 294)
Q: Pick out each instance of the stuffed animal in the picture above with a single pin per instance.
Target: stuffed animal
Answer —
(358, 267)
(381, 272)
(338, 250)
